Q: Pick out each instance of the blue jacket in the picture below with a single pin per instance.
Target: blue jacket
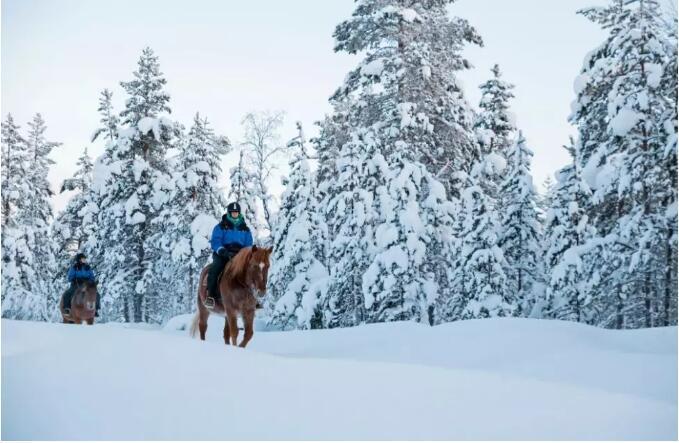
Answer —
(226, 235)
(80, 272)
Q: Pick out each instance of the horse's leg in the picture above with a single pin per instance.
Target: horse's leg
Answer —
(248, 320)
(203, 315)
(90, 321)
(232, 320)
(227, 332)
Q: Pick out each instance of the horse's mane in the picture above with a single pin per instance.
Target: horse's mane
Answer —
(237, 266)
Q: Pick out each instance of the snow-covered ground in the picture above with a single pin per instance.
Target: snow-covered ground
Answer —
(484, 379)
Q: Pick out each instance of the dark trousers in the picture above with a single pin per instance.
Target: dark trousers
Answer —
(218, 263)
(68, 296)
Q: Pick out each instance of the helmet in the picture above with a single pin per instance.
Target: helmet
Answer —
(233, 207)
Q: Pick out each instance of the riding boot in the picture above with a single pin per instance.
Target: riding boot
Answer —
(68, 295)
(216, 268)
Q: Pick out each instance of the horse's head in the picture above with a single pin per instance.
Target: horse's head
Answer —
(258, 268)
(86, 295)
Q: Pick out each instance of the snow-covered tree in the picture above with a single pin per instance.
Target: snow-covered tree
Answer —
(495, 124)
(183, 228)
(133, 188)
(520, 235)
(478, 276)
(68, 231)
(243, 190)
(619, 112)
(408, 126)
(350, 217)
(109, 120)
(28, 259)
(14, 169)
(413, 50)
(18, 299)
(297, 279)
(567, 229)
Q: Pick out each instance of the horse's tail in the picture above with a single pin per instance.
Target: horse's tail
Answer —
(194, 324)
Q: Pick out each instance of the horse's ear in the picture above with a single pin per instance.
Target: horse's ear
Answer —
(254, 248)
(269, 250)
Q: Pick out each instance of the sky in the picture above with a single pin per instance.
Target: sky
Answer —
(224, 58)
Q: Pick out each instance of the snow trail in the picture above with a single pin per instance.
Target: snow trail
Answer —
(485, 379)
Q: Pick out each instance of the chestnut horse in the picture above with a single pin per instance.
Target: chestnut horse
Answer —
(241, 283)
(83, 304)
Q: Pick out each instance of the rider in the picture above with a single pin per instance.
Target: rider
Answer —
(79, 271)
(228, 237)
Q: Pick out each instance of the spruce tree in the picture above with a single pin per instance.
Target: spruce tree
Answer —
(408, 129)
(478, 278)
(619, 114)
(297, 279)
(495, 124)
(68, 231)
(136, 188)
(521, 231)
(182, 229)
(21, 294)
(567, 230)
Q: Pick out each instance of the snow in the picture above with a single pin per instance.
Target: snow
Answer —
(624, 121)
(480, 379)
(373, 68)
(150, 124)
(580, 83)
(655, 71)
(495, 163)
(410, 15)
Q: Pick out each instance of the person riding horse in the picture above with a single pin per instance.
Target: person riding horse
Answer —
(228, 237)
(78, 272)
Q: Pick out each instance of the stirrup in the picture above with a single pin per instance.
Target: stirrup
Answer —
(209, 302)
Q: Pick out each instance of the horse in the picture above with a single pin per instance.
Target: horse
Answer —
(241, 283)
(83, 304)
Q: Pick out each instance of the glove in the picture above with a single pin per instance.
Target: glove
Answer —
(233, 248)
(222, 252)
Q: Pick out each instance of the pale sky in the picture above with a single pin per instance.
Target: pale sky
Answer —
(227, 57)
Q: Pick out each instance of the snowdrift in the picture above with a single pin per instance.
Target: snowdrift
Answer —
(486, 379)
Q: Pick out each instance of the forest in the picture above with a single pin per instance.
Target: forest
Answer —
(410, 203)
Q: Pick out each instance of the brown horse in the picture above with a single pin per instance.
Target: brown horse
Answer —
(83, 304)
(241, 283)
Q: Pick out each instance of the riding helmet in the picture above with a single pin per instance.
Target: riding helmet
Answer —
(233, 207)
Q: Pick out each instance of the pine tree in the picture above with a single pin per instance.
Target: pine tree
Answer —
(243, 191)
(415, 49)
(38, 213)
(109, 121)
(619, 113)
(521, 231)
(68, 232)
(349, 218)
(479, 279)
(136, 189)
(386, 203)
(20, 299)
(567, 230)
(13, 170)
(297, 277)
(495, 124)
(183, 228)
